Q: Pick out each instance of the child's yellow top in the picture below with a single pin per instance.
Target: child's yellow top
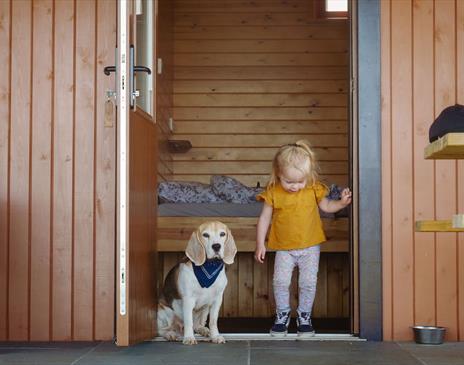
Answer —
(296, 222)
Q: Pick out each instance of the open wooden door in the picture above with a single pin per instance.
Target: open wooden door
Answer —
(136, 170)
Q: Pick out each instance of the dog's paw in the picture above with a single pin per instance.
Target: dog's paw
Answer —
(203, 331)
(171, 336)
(189, 341)
(218, 339)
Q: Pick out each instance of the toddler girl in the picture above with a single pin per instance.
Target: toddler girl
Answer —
(291, 203)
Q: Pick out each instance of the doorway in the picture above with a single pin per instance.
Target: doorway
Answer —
(247, 79)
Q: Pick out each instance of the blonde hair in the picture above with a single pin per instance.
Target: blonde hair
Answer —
(299, 156)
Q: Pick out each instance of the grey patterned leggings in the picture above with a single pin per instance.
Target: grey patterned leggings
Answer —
(307, 260)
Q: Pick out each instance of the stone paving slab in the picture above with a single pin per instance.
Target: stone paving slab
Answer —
(448, 353)
(234, 353)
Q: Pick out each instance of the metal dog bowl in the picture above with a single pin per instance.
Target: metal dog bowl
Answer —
(429, 335)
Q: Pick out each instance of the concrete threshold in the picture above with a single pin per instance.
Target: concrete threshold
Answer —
(268, 337)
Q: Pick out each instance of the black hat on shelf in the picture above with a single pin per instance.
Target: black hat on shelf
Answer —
(450, 120)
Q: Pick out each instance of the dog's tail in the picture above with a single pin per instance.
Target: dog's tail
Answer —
(169, 324)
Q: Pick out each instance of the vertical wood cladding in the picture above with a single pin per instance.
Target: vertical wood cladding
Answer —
(57, 165)
(422, 73)
(250, 76)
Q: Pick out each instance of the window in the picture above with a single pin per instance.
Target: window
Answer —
(144, 57)
(331, 8)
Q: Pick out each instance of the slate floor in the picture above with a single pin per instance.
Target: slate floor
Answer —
(248, 352)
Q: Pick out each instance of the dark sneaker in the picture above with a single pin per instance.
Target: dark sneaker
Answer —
(280, 326)
(304, 326)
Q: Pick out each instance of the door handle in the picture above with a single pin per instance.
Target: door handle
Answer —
(142, 69)
(133, 69)
(109, 69)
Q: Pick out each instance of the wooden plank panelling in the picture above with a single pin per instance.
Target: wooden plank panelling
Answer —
(245, 284)
(41, 170)
(244, 167)
(261, 86)
(253, 180)
(445, 171)
(262, 73)
(261, 59)
(243, 100)
(105, 175)
(422, 272)
(460, 173)
(174, 231)
(19, 192)
(5, 21)
(402, 173)
(249, 289)
(424, 243)
(206, 6)
(313, 31)
(254, 46)
(83, 195)
(387, 294)
(238, 113)
(253, 154)
(164, 52)
(57, 188)
(240, 19)
(263, 140)
(63, 165)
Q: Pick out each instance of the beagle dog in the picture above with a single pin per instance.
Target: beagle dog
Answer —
(194, 288)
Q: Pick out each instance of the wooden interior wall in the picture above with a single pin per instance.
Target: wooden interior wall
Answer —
(164, 84)
(422, 73)
(249, 290)
(57, 171)
(250, 76)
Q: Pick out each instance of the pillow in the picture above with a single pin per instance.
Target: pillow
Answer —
(232, 190)
(186, 192)
(335, 193)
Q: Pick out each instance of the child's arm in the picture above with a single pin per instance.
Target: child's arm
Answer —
(332, 206)
(263, 224)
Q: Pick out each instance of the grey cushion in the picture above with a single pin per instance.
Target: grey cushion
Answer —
(186, 192)
(335, 193)
(232, 190)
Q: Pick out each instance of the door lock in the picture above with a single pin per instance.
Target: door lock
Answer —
(133, 69)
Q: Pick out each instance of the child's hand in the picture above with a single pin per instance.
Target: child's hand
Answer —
(260, 253)
(346, 196)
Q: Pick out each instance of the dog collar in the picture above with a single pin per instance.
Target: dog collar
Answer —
(208, 272)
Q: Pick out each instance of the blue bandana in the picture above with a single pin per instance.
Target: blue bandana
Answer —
(208, 272)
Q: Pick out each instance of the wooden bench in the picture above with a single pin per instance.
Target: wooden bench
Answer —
(174, 232)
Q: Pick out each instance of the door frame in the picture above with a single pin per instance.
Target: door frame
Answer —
(366, 172)
(136, 191)
(368, 156)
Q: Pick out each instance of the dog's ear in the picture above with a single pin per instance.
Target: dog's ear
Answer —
(230, 249)
(195, 250)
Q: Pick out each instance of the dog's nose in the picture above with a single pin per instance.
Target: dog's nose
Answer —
(216, 247)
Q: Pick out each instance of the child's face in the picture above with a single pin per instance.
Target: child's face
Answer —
(292, 180)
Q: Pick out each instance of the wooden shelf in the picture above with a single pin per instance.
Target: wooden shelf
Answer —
(450, 146)
(437, 226)
(179, 146)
